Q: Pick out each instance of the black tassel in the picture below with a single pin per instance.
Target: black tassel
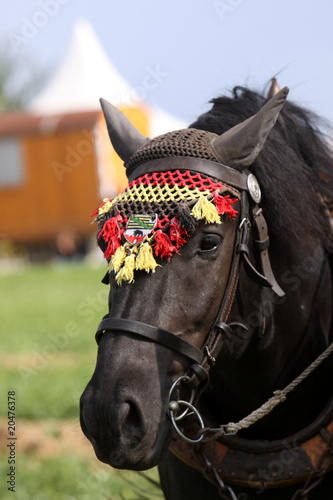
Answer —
(101, 219)
(186, 220)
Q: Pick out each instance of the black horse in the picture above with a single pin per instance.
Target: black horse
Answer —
(248, 312)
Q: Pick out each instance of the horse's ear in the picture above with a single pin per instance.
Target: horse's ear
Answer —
(274, 88)
(125, 138)
(240, 146)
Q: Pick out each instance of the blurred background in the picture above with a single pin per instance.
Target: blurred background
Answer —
(161, 63)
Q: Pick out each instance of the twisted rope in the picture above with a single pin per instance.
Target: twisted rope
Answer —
(279, 397)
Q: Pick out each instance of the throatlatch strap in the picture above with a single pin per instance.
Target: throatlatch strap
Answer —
(149, 332)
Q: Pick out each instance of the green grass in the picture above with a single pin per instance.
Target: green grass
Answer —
(51, 304)
(48, 318)
(70, 478)
(53, 392)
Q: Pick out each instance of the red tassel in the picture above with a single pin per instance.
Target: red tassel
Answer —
(223, 205)
(111, 248)
(112, 233)
(163, 245)
(177, 233)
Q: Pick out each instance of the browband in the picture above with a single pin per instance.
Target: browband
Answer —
(225, 174)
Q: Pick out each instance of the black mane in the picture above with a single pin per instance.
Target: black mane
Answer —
(294, 169)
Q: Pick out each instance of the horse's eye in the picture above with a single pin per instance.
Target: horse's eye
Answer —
(209, 243)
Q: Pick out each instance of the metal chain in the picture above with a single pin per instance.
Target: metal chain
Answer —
(225, 492)
(317, 475)
(313, 480)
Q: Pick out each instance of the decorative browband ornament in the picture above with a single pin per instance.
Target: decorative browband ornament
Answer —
(155, 215)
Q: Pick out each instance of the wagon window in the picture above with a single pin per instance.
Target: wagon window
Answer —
(11, 162)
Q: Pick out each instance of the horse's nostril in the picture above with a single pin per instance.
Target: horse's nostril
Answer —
(133, 428)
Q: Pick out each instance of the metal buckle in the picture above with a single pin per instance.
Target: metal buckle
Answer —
(210, 358)
(243, 221)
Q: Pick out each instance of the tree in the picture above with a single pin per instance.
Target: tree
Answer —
(20, 79)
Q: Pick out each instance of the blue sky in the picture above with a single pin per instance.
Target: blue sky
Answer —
(200, 48)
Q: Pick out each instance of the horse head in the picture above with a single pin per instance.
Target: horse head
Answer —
(173, 240)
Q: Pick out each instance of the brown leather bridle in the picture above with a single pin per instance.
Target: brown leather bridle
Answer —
(250, 215)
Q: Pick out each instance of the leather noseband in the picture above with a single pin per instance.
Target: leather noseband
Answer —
(148, 332)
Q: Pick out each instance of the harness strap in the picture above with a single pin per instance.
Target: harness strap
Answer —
(262, 244)
(153, 333)
(220, 329)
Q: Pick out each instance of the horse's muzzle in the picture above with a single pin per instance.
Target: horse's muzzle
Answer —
(118, 434)
(123, 409)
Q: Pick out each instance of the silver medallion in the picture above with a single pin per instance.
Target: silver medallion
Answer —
(254, 188)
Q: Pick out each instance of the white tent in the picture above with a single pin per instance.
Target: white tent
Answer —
(84, 75)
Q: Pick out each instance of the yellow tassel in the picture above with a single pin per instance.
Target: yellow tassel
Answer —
(204, 209)
(106, 207)
(145, 260)
(126, 273)
(118, 259)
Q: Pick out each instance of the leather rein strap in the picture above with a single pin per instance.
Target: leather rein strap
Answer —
(203, 359)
